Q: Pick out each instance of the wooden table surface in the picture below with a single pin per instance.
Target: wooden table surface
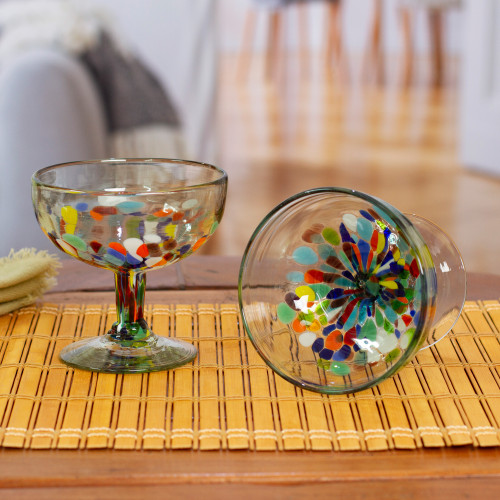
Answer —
(459, 472)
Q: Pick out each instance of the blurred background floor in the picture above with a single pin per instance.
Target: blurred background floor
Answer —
(301, 130)
(278, 118)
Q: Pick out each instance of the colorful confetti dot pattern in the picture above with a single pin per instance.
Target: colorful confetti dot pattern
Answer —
(354, 297)
(124, 233)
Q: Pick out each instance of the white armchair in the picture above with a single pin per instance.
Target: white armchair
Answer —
(52, 109)
(50, 112)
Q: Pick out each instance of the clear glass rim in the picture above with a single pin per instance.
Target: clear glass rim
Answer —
(427, 299)
(460, 258)
(158, 161)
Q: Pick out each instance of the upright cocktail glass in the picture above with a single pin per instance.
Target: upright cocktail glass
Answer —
(129, 216)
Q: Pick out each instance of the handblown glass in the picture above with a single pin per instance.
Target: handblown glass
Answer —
(338, 289)
(129, 216)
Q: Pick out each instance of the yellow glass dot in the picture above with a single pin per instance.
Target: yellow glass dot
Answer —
(69, 214)
(302, 291)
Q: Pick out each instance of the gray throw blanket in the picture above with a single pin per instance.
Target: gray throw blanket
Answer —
(131, 94)
(141, 117)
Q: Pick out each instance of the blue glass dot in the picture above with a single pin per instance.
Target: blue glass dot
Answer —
(132, 260)
(116, 255)
(328, 329)
(335, 293)
(82, 207)
(366, 215)
(130, 206)
(305, 256)
(295, 277)
(364, 228)
(318, 345)
(342, 354)
(326, 354)
(344, 233)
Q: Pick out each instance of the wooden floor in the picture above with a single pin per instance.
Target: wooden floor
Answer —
(280, 136)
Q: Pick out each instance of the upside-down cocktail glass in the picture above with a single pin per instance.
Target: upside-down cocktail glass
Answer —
(338, 289)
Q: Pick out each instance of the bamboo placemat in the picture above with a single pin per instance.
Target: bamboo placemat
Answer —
(228, 398)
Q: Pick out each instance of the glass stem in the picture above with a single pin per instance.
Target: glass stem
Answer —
(130, 288)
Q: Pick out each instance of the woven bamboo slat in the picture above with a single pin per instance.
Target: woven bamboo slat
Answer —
(158, 400)
(228, 398)
(208, 358)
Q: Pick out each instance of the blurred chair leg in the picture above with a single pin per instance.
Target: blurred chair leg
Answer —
(408, 54)
(273, 51)
(334, 44)
(303, 38)
(246, 52)
(374, 56)
(436, 42)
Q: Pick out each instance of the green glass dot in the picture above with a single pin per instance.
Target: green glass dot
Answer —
(368, 331)
(132, 227)
(308, 317)
(405, 339)
(113, 260)
(343, 258)
(399, 307)
(317, 238)
(341, 369)
(325, 251)
(285, 313)
(344, 283)
(392, 355)
(373, 288)
(320, 290)
(331, 236)
(322, 307)
(214, 227)
(388, 326)
(323, 363)
(379, 317)
(83, 255)
(75, 241)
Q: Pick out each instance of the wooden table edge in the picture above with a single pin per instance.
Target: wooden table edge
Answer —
(456, 472)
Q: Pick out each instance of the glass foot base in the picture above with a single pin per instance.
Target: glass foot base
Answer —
(104, 354)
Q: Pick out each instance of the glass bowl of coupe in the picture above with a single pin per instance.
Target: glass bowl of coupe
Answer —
(129, 216)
